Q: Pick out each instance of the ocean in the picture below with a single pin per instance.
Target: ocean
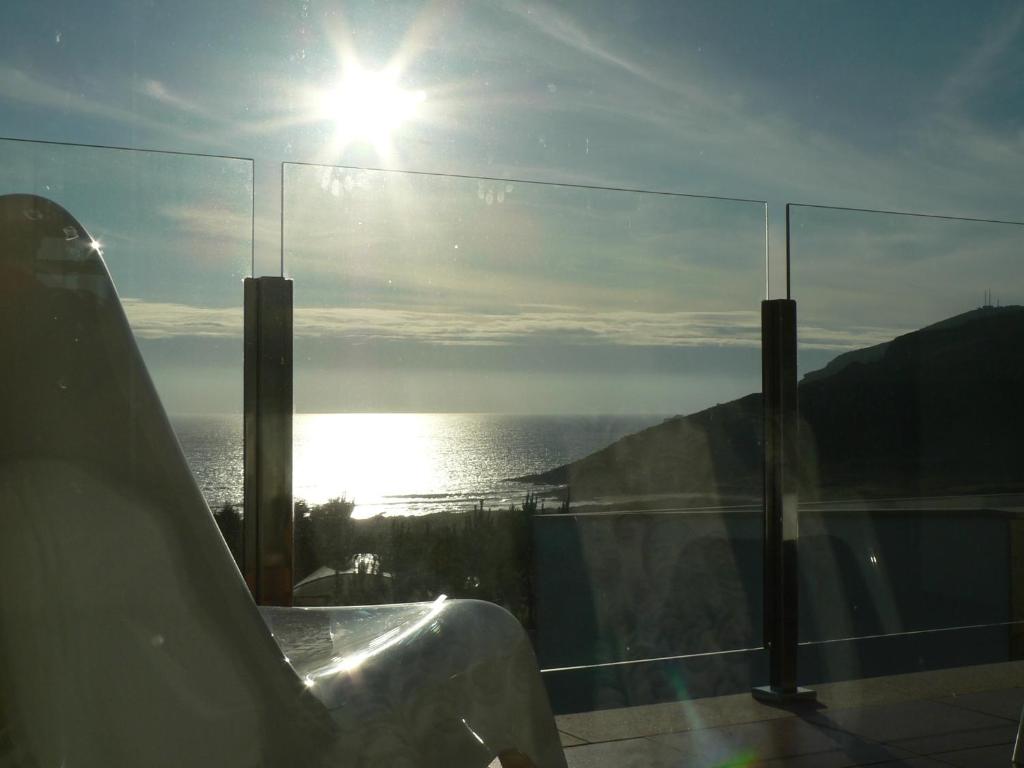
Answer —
(404, 463)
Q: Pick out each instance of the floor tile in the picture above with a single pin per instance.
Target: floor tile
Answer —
(629, 753)
(982, 757)
(860, 693)
(752, 742)
(921, 685)
(954, 740)
(1006, 703)
(908, 720)
(842, 760)
(610, 724)
(815, 760)
(983, 677)
(963, 717)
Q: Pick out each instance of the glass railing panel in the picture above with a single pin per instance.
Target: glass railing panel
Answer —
(175, 231)
(909, 335)
(490, 382)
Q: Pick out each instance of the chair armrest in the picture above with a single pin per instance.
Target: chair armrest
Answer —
(459, 674)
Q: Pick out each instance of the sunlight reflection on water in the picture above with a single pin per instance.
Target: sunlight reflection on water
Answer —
(404, 463)
(412, 463)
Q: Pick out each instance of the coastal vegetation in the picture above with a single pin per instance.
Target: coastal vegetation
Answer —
(485, 554)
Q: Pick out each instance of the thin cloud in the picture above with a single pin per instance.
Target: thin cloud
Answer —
(159, 320)
(564, 29)
(16, 85)
(813, 337)
(580, 328)
(164, 320)
(976, 71)
(211, 222)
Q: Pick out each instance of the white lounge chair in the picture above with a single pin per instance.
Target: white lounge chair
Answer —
(127, 635)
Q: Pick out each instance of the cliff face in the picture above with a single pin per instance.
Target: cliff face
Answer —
(939, 410)
(713, 452)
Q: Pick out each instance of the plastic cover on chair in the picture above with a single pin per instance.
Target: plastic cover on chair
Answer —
(127, 635)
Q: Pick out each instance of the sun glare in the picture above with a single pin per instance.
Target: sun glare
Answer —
(368, 106)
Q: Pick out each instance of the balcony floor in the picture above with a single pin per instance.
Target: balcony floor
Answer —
(962, 717)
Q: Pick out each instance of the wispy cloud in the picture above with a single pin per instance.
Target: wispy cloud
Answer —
(568, 31)
(564, 327)
(977, 70)
(670, 124)
(702, 131)
(225, 126)
(163, 320)
(157, 320)
(211, 220)
(21, 87)
(655, 120)
(845, 339)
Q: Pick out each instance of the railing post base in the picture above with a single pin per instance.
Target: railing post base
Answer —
(770, 695)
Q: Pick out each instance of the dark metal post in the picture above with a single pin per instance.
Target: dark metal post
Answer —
(268, 525)
(781, 523)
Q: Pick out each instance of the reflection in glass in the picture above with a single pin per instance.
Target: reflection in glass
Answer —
(488, 377)
(910, 331)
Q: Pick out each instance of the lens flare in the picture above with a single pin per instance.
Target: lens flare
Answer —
(367, 106)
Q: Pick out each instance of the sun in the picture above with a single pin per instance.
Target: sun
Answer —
(367, 106)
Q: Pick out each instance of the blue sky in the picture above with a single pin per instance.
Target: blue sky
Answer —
(908, 106)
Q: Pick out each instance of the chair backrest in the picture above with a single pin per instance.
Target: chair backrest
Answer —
(127, 635)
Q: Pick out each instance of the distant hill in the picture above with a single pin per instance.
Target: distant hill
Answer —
(938, 410)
